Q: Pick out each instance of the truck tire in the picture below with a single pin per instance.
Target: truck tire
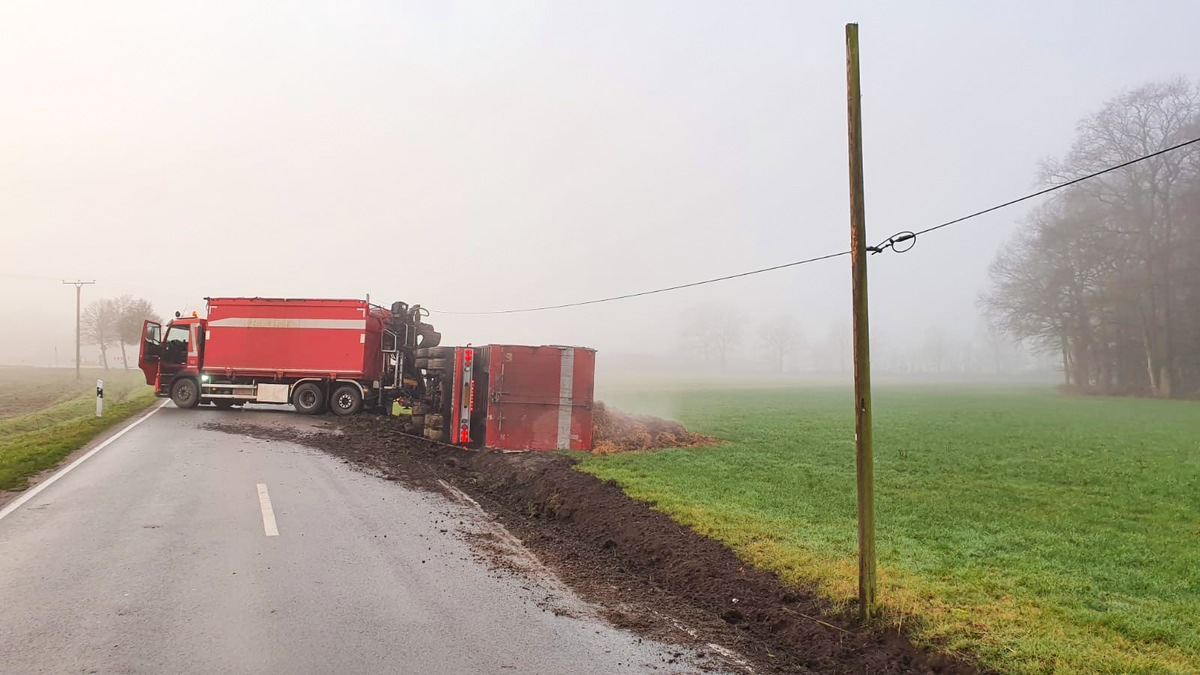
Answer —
(435, 363)
(346, 400)
(435, 352)
(185, 393)
(308, 398)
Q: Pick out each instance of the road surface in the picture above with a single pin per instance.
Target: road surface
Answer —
(182, 549)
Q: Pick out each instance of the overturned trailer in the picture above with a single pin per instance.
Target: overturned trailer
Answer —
(513, 397)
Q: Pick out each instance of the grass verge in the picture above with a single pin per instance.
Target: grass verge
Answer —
(1034, 531)
(37, 440)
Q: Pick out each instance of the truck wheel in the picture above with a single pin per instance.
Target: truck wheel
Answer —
(435, 363)
(435, 352)
(346, 400)
(308, 398)
(185, 393)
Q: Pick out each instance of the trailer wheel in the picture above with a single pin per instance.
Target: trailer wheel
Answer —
(435, 363)
(346, 400)
(308, 398)
(185, 393)
(434, 352)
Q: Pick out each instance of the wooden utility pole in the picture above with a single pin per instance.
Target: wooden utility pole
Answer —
(862, 339)
(78, 292)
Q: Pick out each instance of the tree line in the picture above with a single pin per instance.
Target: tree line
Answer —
(1106, 275)
(722, 339)
(111, 322)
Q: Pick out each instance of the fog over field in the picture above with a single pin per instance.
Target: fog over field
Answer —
(492, 156)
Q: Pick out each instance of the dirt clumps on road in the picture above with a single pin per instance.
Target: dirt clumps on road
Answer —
(615, 431)
(647, 573)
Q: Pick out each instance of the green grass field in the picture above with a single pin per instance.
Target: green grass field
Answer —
(1035, 531)
(45, 415)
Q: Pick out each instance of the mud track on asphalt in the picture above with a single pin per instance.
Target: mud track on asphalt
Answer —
(646, 573)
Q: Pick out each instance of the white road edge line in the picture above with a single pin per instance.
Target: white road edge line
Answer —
(268, 513)
(496, 526)
(512, 540)
(37, 489)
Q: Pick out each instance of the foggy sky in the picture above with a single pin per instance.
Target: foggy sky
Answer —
(482, 156)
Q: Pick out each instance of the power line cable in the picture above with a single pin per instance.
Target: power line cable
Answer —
(906, 236)
(891, 242)
(652, 292)
(13, 275)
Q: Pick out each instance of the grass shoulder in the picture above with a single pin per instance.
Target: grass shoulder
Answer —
(1034, 531)
(47, 415)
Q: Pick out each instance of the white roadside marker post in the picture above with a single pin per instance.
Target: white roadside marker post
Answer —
(99, 398)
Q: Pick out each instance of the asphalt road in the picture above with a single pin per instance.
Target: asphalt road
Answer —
(155, 555)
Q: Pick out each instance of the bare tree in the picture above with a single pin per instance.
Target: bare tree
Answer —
(838, 346)
(712, 332)
(131, 314)
(1106, 273)
(936, 348)
(99, 326)
(780, 338)
(997, 347)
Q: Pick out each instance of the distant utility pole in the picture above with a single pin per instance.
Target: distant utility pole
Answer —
(862, 339)
(78, 292)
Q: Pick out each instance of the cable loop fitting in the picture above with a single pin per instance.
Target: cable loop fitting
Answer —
(896, 243)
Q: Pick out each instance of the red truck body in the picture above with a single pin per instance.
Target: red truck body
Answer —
(284, 339)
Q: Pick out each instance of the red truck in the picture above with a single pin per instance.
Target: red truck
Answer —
(346, 356)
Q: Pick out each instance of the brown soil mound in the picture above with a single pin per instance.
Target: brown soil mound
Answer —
(650, 575)
(615, 431)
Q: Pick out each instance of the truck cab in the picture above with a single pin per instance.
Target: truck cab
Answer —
(164, 355)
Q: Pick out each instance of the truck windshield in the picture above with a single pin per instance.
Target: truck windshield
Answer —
(175, 348)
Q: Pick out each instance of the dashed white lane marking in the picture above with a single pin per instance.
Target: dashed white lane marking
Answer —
(268, 513)
(35, 490)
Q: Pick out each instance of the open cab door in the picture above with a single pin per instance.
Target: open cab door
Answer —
(150, 353)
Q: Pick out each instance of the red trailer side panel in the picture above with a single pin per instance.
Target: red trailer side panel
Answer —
(540, 398)
(273, 337)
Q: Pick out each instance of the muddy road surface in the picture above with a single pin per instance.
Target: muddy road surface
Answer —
(639, 570)
(180, 547)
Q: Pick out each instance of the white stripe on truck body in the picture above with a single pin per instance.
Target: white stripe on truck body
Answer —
(566, 392)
